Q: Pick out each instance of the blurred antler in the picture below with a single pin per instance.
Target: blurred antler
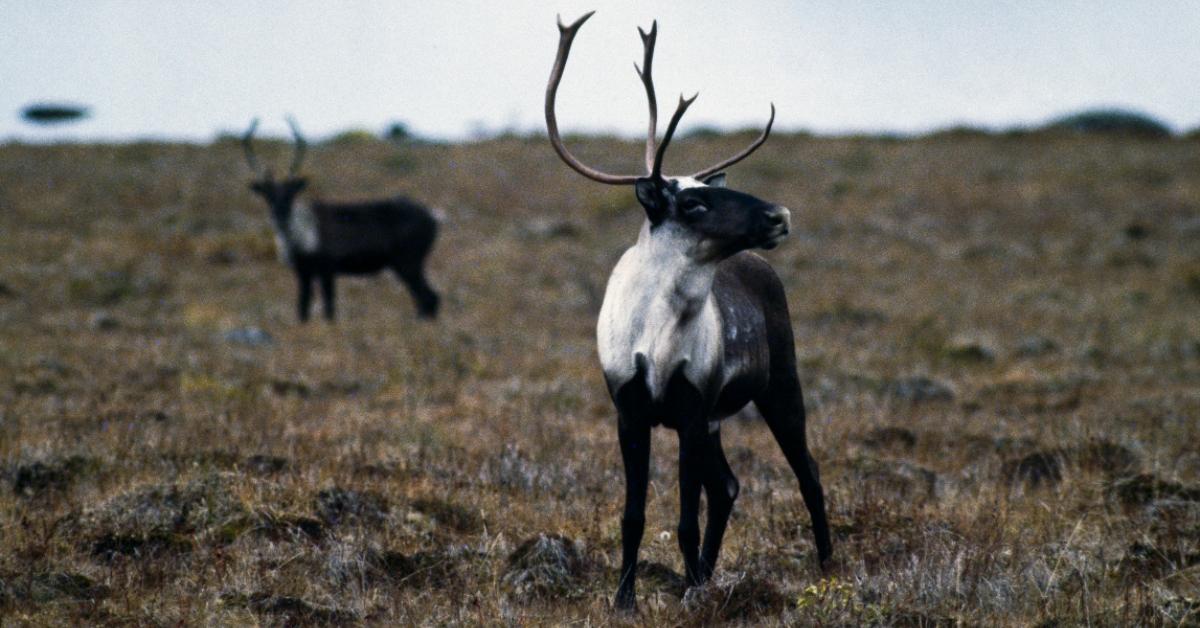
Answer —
(301, 146)
(248, 147)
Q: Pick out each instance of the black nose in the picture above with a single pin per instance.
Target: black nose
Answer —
(774, 219)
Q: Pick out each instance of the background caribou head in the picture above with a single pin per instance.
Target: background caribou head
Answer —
(280, 194)
(713, 221)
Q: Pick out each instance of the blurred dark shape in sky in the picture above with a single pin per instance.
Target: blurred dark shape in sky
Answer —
(1111, 122)
(53, 113)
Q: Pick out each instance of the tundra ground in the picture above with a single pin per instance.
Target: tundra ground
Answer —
(998, 337)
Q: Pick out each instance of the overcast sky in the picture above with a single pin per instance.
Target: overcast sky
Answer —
(176, 69)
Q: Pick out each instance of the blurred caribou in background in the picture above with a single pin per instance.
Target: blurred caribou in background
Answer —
(321, 240)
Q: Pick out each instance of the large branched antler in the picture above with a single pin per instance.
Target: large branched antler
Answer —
(684, 103)
(566, 35)
(742, 155)
(654, 153)
(648, 40)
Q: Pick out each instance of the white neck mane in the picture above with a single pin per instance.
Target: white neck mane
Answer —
(659, 304)
(300, 234)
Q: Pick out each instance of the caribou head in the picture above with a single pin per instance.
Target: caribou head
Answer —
(280, 194)
(710, 221)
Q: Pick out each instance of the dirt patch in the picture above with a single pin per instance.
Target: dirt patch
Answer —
(290, 611)
(1153, 560)
(436, 568)
(1144, 488)
(162, 517)
(336, 506)
(657, 578)
(1034, 395)
(918, 389)
(891, 439)
(543, 567)
(265, 465)
(47, 587)
(1046, 467)
(55, 474)
(733, 597)
(275, 526)
(897, 478)
(449, 515)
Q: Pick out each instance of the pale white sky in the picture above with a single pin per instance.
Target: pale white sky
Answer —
(189, 69)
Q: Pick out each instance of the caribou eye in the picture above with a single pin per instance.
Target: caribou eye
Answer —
(693, 207)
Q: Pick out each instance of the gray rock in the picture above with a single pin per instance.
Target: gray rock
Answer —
(249, 336)
(919, 388)
(103, 321)
(1035, 345)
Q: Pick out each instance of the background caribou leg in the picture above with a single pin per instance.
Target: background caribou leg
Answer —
(413, 278)
(305, 298)
(328, 295)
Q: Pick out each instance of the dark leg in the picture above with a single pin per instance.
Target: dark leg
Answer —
(783, 408)
(328, 295)
(693, 447)
(302, 305)
(720, 489)
(413, 276)
(635, 452)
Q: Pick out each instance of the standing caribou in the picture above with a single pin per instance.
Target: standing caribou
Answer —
(322, 240)
(693, 328)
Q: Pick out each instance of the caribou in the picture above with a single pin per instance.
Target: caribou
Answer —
(321, 240)
(694, 327)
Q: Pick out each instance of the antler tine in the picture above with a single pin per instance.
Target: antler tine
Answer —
(648, 40)
(301, 146)
(565, 37)
(248, 147)
(742, 155)
(684, 103)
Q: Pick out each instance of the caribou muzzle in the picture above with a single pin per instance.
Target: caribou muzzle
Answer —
(779, 224)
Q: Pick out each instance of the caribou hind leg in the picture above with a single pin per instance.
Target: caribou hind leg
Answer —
(413, 276)
(329, 296)
(304, 300)
(783, 408)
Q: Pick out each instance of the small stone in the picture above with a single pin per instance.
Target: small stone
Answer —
(249, 336)
(1033, 346)
(966, 349)
(551, 228)
(920, 388)
(103, 321)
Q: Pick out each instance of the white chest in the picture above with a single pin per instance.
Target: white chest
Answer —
(668, 317)
(299, 234)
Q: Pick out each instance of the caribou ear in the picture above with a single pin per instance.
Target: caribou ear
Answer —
(716, 180)
(650, 194)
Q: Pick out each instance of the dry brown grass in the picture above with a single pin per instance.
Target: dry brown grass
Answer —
(998, 337)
